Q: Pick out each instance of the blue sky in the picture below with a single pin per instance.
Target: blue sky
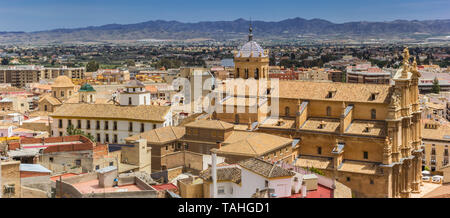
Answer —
(34, 15)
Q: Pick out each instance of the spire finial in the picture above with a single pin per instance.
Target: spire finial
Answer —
(250, 30)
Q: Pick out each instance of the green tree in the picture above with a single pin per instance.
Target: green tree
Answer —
(92, 66)
(71, 130)
(5, 61)
(130, 63)
(436, 88)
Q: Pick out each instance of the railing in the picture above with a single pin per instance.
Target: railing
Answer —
(322, 180)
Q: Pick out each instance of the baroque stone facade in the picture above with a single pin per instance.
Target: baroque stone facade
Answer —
(366, 136)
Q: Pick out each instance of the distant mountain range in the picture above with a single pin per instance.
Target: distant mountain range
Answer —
(222, 30)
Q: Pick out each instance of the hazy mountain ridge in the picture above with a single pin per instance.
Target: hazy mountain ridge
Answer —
(220, 30)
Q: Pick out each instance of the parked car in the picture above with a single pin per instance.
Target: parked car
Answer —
(437, 179)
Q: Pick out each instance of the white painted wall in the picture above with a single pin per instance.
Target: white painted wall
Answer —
(251, 181)
(136, 98)
(122, 128)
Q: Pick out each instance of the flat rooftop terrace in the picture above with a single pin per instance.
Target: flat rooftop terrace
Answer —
(93, 187)
(41, 145)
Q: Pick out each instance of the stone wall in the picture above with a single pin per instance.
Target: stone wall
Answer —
(28, 192)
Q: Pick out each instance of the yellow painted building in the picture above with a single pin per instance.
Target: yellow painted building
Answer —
(366, 136)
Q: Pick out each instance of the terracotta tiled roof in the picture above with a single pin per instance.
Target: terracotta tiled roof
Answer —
(63, 81)
(309, 90)
(265, 168)
(50, 99)
(110, 111)
(376, 128)
(360, 167)
(232, 174)
(438, 134)
(317, 162)
(210, 124)
(353, 92)
(160, 135)
(252, 143)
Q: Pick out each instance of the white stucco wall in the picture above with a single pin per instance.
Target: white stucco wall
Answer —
(122, 128)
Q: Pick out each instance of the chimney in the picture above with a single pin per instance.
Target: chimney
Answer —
(214, 174)
(304, 190)
(219, 144)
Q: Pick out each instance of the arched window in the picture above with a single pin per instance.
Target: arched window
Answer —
(328, 111)
(257, 73)
(286, 111)
(373, 114)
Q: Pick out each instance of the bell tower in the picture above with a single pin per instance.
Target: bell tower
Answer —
(251, 61)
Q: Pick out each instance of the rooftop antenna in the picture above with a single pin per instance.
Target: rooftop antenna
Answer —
(250, 30)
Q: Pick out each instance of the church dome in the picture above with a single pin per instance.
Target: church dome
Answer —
(251, 48)
(86, 88)
(63, 81)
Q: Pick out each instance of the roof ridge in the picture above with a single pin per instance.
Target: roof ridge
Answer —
(156, 133)
(251, 146)
(174, 134)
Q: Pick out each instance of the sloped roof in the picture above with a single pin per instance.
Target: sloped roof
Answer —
(86, 88)
(353, 92)
(210, 124)
(110, 111)
(265, 168)
(252, 143)
(135, 83)
(34, 168)
(251, 48)
(232, 174)
(50, 99)
(63, 81)
(160, 135)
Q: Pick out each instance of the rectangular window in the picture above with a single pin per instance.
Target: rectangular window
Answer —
(106, 125)
(129, 101)
(60, 123)
(69, 122)
(106, 137)
(60, 133)
(111, 163)
(348, 179)
(142, 127)
(77, 163)
(97, 124)
(98, 137)
(221, 190)
(366, 155)
(88, 124)
(130, 126)
(154, 126)
(115, 138)
(319, 150)
(79, 124)
(115, 125)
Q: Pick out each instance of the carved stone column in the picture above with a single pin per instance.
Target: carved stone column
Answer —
(406, 191)
(417, 173)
